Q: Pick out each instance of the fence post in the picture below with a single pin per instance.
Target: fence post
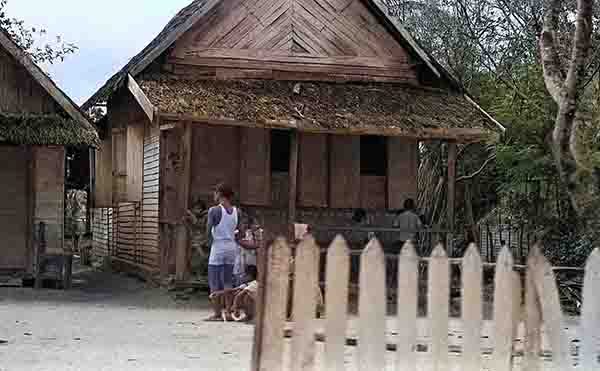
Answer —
(471, 309)
(438, 306)
(590, 313)
(407, 315)
(306, 279)
(336, 299)
(503, 311)
(372, 309)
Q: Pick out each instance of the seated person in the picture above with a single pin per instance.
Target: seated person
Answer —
(238, 303)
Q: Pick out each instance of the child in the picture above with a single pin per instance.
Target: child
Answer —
(237, 303)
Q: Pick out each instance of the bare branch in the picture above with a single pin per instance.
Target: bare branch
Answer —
(479, 171)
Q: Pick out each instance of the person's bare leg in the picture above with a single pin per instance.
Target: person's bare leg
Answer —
(216, 301)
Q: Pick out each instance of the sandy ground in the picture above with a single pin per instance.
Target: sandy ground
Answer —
(113, 322)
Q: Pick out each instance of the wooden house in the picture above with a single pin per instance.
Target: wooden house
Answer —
(311, 109)
(37, 122)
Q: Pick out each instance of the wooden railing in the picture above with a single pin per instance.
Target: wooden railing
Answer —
(536, 320)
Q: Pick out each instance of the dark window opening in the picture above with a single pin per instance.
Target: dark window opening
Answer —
(280, 151)
(373, 155)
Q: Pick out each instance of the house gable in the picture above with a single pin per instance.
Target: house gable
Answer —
(292, 39)
(19, 92)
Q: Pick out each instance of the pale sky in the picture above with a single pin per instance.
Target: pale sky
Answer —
(108, 34)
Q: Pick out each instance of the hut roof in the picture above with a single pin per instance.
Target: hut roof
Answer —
(191, 14)
(44, 130)
(78, 122)
(328, 107)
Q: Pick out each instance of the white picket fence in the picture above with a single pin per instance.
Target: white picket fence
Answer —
(539, 316)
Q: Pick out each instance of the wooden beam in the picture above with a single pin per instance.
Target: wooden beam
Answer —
(451, 203)
(183, 185)
(294, 153)
(459, 135)
(141, 98)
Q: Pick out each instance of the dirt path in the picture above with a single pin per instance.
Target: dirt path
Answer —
(112, 322)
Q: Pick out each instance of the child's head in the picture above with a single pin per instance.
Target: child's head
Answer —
(224, 192)
(252, 272)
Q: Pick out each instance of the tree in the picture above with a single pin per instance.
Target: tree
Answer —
(566, 83)
(27, 37)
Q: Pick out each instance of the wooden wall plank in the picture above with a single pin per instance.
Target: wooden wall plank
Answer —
(372, 309)
(49, 186)
(373, 192)
(313, 172)
(403, 164)
(336, 304)
(104, 174)
(14, 213)
(255, 167)
(344, 170)
(170, 143)
(218, 161)
(135, 161)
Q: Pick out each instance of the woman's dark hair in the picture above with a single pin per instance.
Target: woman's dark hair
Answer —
(225, 191)
(409, 204)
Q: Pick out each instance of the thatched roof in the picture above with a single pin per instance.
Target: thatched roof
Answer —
(189, 15)
(318, 105)
(44, 130)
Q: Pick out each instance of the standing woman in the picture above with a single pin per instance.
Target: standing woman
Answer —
(223, 221)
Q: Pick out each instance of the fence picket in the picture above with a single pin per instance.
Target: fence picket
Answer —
(503, 312)
(552, 314)
(438, 307)
(517, 299)
(533, 316)
(276, 297)
(372, 309)
(305, 304)
(472, 309)
(336, 303)
(590, 321)
(408, 264)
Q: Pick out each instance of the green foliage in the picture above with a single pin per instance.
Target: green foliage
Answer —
(26, 37)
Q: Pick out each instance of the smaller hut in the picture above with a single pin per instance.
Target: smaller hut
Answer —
(37, 123)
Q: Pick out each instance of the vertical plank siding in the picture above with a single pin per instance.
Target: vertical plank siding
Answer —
(150, 201)
(128, 231)
(364, 342)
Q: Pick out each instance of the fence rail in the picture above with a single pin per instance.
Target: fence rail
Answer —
(538, 316)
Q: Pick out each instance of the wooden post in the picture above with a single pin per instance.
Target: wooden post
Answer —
(262, 265)
(451, 194)
(184, 180)
(40, 250)
(181, 243)
(294, 149)
(68, 266)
